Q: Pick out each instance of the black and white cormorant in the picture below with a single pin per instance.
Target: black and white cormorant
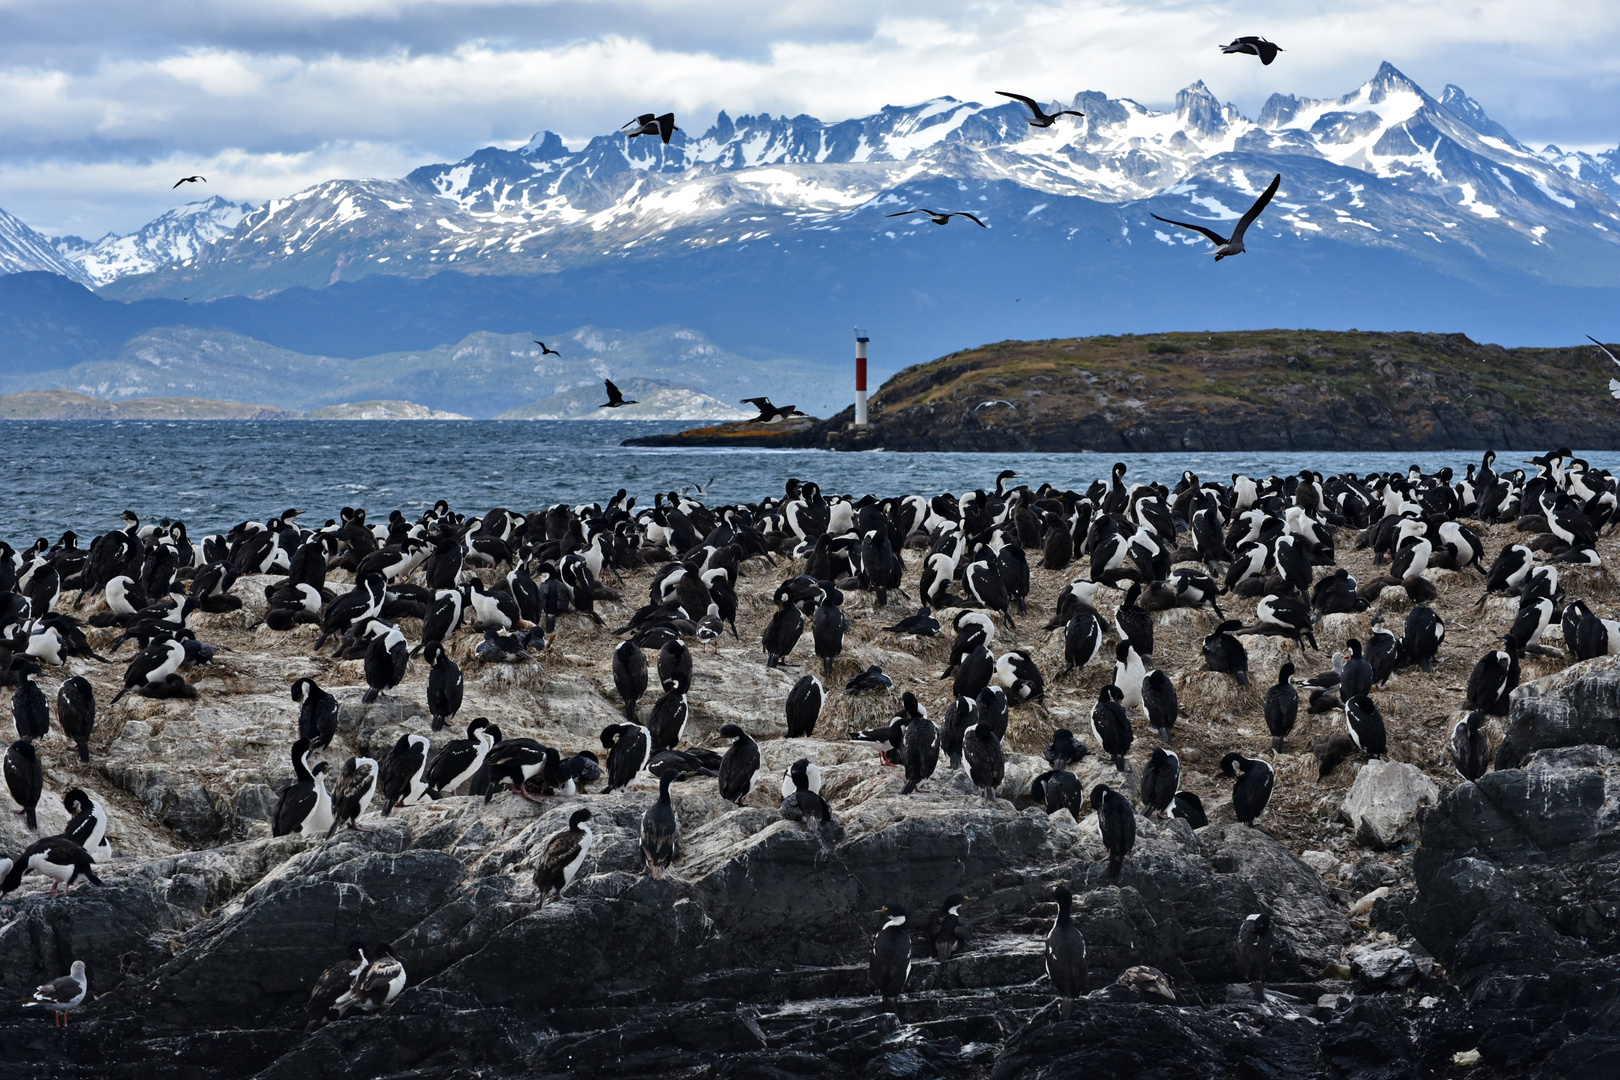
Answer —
(76, 713)
(1491, 683)
(317, 713)
(804, 704)
(667, 720)
(385, 663)
(986, 764)
(55, 857)
(1282, 707)
(919, 751)
(1223, 652)
(1252, 789)
(1117, 822)
(87, 824)
(739, 765)
(1064, 749)
(629, 747)
(399, 775)
(25, 779)
(562, 855)
(1470, 750)
(305, 807)
(629, 676)
(950, 929)
(352, 793)
(1253, 951)
(891, 956)
(660, 831)
(333, 983)
(444, 685)
(454, 763)
(1110, 725)
(1066, 954)
(1160, 779)
(1190, 808)
(1160, 703)
(377, 985)
(1366, 726)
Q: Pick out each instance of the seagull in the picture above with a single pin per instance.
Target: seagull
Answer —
(769, 412)
(939, 219)
(1614, 384)
(63, 995)
(615, 398)
(546, 350)
(189, 180)
(1234, 245)
(1254, 46)
(998, 401)
(648, 124)
(1041, 119)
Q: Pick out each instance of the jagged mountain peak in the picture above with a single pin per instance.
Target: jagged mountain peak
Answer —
(1384, 163)
(1470, 112)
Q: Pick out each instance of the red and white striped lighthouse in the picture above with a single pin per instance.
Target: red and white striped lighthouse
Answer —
(860, 378)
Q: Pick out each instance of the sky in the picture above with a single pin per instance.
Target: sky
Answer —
(104, 103)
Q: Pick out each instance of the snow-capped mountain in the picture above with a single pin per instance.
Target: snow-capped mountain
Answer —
(172, 239)
(1384, 165)
(771, 235)
(23, 250)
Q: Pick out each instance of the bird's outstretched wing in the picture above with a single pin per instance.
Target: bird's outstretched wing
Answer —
(612, 391)
(1254, 211)
(903, 213)
(1216, 238)
(1614, 384)
(641, 121)
(970, 217)
(1604, 347)
(760, 403)
(1033, 107)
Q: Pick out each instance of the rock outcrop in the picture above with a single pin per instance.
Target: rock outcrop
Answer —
(1383, 804)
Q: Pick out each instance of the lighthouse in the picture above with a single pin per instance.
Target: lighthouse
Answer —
(860, 378)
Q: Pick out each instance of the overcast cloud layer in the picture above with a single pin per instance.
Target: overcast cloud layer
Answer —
(104, 103)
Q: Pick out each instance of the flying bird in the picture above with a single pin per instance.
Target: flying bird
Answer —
(546, 350)
(189, 180)
(648, 124)
(769, 412)
(1232, 245)
(615, 398)
(939, 219)
(1254, 46)
(1614, 384)
(1041, 119)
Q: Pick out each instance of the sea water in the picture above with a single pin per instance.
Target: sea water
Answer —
(81, 475)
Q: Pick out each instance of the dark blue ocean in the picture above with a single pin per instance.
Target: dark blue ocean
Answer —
(212, 474)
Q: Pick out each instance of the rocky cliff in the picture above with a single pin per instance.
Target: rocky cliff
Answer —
(1486, 950)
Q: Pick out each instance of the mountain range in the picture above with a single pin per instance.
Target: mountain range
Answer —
(768, 237)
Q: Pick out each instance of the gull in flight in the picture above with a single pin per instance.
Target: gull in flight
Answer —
(1254, 46)
(1041, 119)
(189, 180)
(546, 350)
(648, 124)
(939, 219)
(1232, 245)
(615, 397)
(1614, 384)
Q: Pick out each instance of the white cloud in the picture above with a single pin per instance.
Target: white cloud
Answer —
(277, 93)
